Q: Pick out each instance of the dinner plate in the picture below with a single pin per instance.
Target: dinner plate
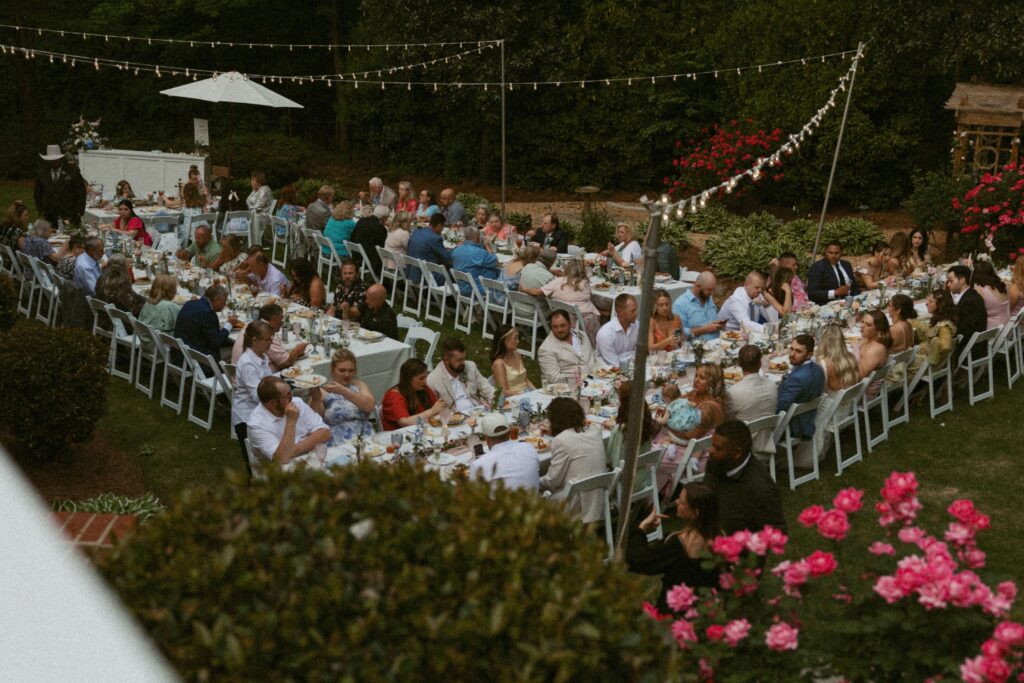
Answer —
(441, 460)
(309, 381)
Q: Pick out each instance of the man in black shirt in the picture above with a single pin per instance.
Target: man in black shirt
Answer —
(375, 314)
(551, 235)
(370, 233)
(971, 315)
(747, 496)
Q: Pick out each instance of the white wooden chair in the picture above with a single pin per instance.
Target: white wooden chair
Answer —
(768, 423)
(245, 234)
(29, 285)
(846, 415)
(9, 262)
(391, 272)
(784, 437)
(574, 314)
(439, 288)
(124, 335)
(932, 377)
(176, 363)
(466, 304)
(208, 380)
(49, 292)
(978, 367)
(880, 401)
(365, 265)
(428, 335)
(527, 312)
(406, 323)
(188, 227)
(604, 483)
(688, 276)
(415, 282)
(254, 465)
(99, 312)
(645, 485)
(280, 235)
(150, 349)
(683, 473)
(1006, 344)
(899, 413)
(495, 303)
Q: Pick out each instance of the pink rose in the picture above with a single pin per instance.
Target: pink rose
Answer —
(781, 637)
(880, 548)
(1007, 589)
(728, 547)
(848, 500)
(820, 563)
(975, 558)
(735, 631)
(888, 589)
(993, 648)
(794, 576)
(1009, 632)
(726, 580)
(683, 632)
(714, 632)
(833, 524)
(809, 516)
(910, 534)
(971, 671)
(899, 486)
(959, 534)
(680, 598)
(775, 539)
(757, 545)
(996, 669)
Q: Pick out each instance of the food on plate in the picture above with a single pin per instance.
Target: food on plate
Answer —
(537, 442)
(372, 450)
(778, 366)
(368, 335)
(732, 335)
(309, 382)
(304, 313)
(606, 373)
(733, 374)
(455, 419)
(293, 372)
(601, 285)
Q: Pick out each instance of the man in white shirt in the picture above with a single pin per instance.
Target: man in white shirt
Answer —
(617, 338)
(266, 275)
(282, 427)
(514, 463)
(565, 355)
(746, 309)
(457, 382)
(753, 397)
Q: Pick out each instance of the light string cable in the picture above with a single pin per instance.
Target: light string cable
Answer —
(198, 42)
(194, 73)
(699, 200)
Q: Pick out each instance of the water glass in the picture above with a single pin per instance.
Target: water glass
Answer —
(320, 450)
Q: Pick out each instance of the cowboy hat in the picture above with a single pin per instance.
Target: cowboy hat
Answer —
(53, 153)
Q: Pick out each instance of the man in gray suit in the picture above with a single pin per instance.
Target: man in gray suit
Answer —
(319, 211)
(753, 397)
(381, 194)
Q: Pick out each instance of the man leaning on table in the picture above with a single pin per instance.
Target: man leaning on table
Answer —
(616, 340)
(513, 463)
(566, 354)
(198, 326)
(266, 275)
(457, 382)
(697, 309)
(746, 310)
(282, 427)
(204, 250)
(832, 277)
(87, 265)
(279, 358)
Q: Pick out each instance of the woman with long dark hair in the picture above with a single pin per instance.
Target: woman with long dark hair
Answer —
(938, 334)
(677, 557)
(307, 287)
(129, 224)
(506, 362)
(779, 293)
(993, 290)
(576, 453)
(919, 258)
(410, 399)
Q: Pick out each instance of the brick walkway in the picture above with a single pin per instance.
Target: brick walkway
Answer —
(93, 530)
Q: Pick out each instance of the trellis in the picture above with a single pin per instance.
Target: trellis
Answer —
(988, 127)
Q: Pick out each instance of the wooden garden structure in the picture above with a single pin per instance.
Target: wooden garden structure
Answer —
(988, 126)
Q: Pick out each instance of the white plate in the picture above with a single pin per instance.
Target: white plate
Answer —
(441, 460)
(308, 381)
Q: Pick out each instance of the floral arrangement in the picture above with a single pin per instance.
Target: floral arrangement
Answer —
(84, 135)
(993, 212)
(917, 612)
(728, 150)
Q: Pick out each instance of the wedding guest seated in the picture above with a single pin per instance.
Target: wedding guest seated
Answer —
(666, 329)
(993, 291)
(14, 225)
(406, 200)
(307, 289)
(566, 356)
(261, 196)
(551, 235)
(451, 208)
(87, 265)
(573, 287)
(370, 232)
(74, 248)
(160, 312)
(287, 207)
(694, 416)
(398, 234)
(494, 230)
(577, 452)
(129, 224)
(278, 357)
(351, 290)
(617, 338)
(840, 366)
(919, 257)
(616, 444)
(427, 207)
(747, 497)
(779, 291)
(250, 369)
(627, 252)
(426, 244)
(899, 262)
(457, 382)
(746, 310)
(374, 313)
(339, 228)
(936, 335)
(411, 399)
(283, 427)
(123, 190)
(266, 275)
(198, 326)
(345, 402)
(678, 557)
(805, 382)
(474, 259)
(319, 210)
(114, 286)
(971, 313)
(832, 277)
(204, 250)
(873, 352)
(231, 257)
(875, 270)
(479, 218)
(507, 365)
(697, 310)
(513, 270)
(515, 464)
(753, 397)
(37, 244)
(381, 194)
(788, 260)
(901, 312)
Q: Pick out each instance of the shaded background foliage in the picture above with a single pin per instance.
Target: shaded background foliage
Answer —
(618, 137)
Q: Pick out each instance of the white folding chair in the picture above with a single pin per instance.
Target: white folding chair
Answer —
(880, 401)
(495, 302)
(49, 292)
(645, 485)
(428, 335)
(280, 230)
(688, 276)
(330, 259)
(163, 225)
(188, 227)
(365, 265)
(439, 288)
(209, 380)
(768, 423)
(29, 285)
(227, 229)
(574, 314)
(604, 483)
(9, 262)
(931, 376)
(784, 437)
(526, 311)
(390, 270)
(683, 473)
(900, 411)
(99, 312)
(1006, 345)
(149, 350)
(846, 415)
(255, 466)
(466, 304)
(124, 335)
(415, 282)
(176, 362)
(406, 322)
(309, 237)
(977, 367)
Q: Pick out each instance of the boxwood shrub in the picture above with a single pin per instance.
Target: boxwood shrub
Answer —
(382, 573)
(8, 302)
(53, 388)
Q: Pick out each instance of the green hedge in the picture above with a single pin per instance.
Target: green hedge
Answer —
(749, 245)
(8, 302)
(382, 573)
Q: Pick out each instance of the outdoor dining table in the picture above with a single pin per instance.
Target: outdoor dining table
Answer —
(146, 213)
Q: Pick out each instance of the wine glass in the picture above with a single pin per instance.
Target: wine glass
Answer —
(396, 439)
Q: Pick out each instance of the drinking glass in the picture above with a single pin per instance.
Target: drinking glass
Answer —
(320, 450)
(396, 439)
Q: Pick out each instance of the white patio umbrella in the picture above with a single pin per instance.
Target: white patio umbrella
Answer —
(231, 86)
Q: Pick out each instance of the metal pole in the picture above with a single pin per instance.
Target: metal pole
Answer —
(637, 401)
(835, 157)
(503, 213)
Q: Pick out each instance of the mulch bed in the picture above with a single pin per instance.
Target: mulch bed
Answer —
(89, 470)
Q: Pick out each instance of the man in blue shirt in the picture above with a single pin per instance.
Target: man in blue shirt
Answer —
(87, 265)
(697, 309)
(451, 208)
(426, 244)
(473, 258)
(805, 382)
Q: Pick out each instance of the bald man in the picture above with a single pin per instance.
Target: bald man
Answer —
(451, 208)
(746, 310)
(697, 309)
(375, 314)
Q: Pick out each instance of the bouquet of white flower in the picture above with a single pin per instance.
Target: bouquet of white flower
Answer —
(84, 135)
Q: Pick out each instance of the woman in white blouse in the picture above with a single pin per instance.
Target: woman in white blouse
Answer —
(576, 452)
(253, 365)
(261, 196)
(627, 252)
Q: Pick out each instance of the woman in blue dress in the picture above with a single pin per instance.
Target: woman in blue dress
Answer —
(345, 402)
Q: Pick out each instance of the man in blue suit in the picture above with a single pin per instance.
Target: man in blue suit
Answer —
(426, 244)
(805, 382)
(831, 277)
(198, 326)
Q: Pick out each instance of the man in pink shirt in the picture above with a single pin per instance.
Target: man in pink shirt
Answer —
(278, 356)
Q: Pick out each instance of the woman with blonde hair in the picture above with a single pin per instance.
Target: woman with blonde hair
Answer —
(693, 417)
(900, 255)
(114, 286)
(398, 233)
(666, 331)
(840, 366)
(406, 200)
(1015, 290)
(573, 287)
(160, 312)
(507, 363)
(345, 402)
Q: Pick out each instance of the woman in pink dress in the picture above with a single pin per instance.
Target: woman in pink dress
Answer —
(574, 288)
(1015, 290)
(992, 289)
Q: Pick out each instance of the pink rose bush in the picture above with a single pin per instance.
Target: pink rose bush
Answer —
(883, 620)
(993, 212)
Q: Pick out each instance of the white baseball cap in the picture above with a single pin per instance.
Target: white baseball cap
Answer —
(494, 424)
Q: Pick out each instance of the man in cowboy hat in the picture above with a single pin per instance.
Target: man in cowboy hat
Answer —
(60, 190)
